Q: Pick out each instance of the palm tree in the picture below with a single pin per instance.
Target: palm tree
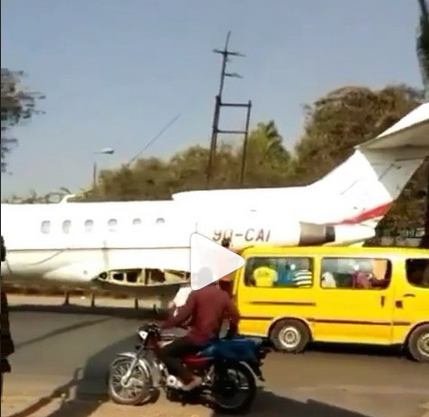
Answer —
(423, 56)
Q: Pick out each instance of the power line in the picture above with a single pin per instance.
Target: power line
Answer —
(154, 139)
(169, 124)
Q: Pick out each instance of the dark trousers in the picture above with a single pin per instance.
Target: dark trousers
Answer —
(5, 369)
(171, 354)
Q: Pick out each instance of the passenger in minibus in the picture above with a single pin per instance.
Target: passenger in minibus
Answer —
(328, 280)
(264, 273)
(303, 276)
(382, 273)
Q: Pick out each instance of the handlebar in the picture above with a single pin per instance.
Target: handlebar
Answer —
(150, 327)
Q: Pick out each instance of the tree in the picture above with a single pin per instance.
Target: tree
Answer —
(268, 161)
(17, 106)
(346, 117)
(334, 125)
(34, 198)
(423, 56)
(154, 179)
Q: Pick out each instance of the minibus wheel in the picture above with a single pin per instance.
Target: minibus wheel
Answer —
(290, 336)
(418, 344)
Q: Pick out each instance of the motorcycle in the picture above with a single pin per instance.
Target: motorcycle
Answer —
(229, 369)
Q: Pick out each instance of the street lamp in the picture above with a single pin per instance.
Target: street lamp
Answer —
(104, 151)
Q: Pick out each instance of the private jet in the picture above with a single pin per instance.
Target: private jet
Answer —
(143, 247)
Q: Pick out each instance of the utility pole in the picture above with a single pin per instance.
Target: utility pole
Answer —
(226, 53)
(105, 151)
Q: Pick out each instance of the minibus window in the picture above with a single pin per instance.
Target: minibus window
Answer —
(279, 272)
(356, 273)
(417, 271)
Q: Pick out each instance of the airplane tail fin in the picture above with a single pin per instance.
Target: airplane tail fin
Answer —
(366, 184)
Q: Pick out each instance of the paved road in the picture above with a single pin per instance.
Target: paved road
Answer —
(70, 353)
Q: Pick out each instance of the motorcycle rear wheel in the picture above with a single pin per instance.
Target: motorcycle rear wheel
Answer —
(140, 386)
(227, 385)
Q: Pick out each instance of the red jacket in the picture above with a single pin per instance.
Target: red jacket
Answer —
(206, 309)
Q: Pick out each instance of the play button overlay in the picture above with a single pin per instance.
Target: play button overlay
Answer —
(210, 261)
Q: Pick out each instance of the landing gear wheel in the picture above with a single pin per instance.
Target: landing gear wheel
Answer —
(418, 344)
(290, 336)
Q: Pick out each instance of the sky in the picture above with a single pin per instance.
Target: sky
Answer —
(116, 72)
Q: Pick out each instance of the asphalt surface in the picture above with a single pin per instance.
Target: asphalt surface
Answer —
(68, 354)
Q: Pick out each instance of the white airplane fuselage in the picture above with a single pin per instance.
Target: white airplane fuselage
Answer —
(124, 244)
(76, 242)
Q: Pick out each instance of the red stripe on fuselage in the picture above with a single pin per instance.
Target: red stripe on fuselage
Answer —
(367, 215)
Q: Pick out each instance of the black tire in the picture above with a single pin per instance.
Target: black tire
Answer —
(290, 336)
(243, 407)
(141, 397)
(418, 344)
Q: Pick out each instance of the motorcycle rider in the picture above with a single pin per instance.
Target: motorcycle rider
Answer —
(182, 295)
(180, 298)
(206, 309)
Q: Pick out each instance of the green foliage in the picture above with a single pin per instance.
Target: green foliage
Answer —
(17, 106)
(423, 56)
(343, 119)
(34, 198)
(334, 125)
(154, 179)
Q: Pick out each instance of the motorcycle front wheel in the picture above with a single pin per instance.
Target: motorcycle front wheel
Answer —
(234, 388)
(135, 391)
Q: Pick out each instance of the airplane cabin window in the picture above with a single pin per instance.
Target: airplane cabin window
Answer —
(160, 220)
(137, 222)
(112, 223)
(45, 227)
(66, 226)
(88, 225)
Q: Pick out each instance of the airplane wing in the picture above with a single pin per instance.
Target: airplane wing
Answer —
(411, 131)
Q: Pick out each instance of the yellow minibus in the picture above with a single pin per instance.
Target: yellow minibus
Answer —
(364, 295)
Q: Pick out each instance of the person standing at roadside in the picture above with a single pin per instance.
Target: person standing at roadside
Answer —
(7, 346)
